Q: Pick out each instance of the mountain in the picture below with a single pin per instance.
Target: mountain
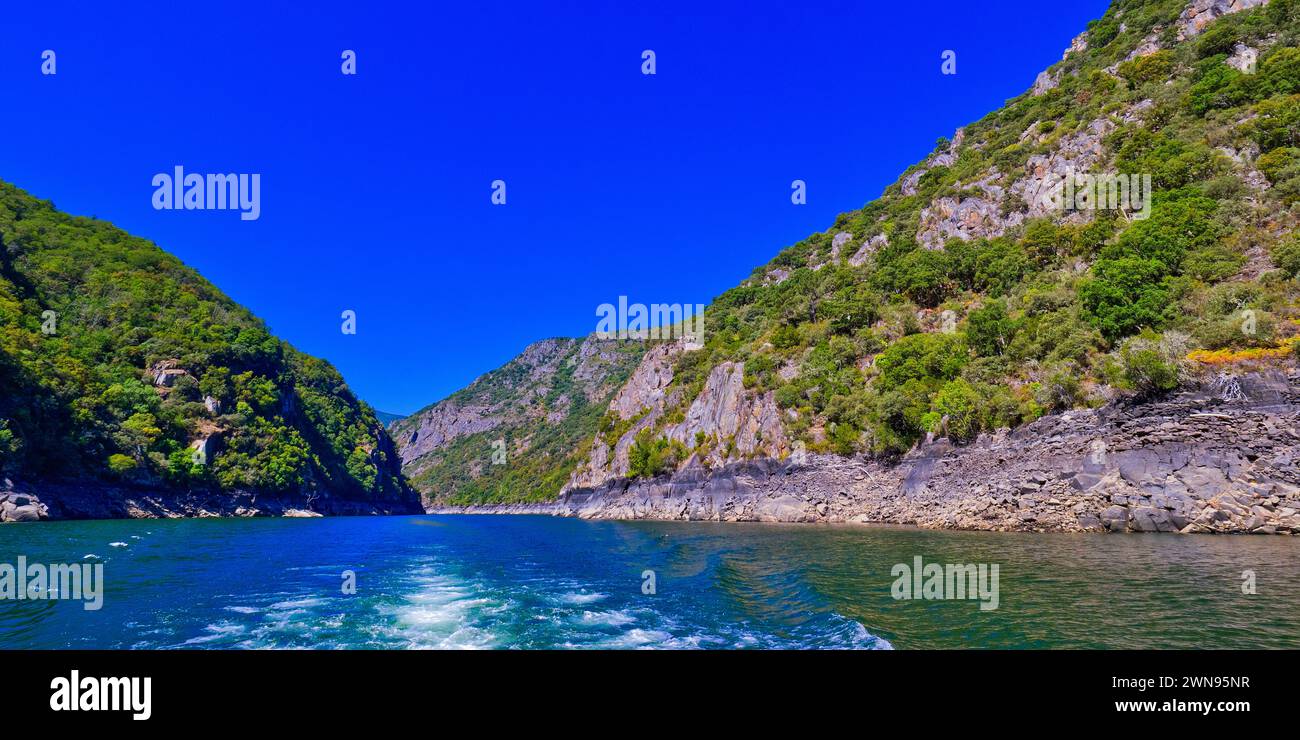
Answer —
(386, 418)
(1121, 233)
(514, 433)
(133, 387)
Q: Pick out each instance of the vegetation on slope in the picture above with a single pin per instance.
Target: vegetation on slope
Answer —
(1052, 312)
(82, 397)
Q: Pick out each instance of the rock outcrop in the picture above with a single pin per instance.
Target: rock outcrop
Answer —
(1198, 14)
(725, 422)
(20, 507)
(441, 424)
(1243, 58)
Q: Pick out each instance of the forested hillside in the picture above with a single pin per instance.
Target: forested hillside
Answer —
(121, 366)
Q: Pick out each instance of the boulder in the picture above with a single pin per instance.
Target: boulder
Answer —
(1150, 519)
(1115, 518)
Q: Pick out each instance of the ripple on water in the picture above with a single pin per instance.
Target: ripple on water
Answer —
(578, 599)
(612, 618)
(444, 612)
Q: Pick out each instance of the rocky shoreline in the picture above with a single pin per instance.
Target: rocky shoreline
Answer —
(1222, 456)
(21, 503)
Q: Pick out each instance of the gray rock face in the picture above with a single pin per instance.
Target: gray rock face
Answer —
(165, 373)
(1045, 81)
(1077, 44)
(868, 248)
(724, 409)
(1076, 154)
(442, 424)
(1243, 58)
(645, 389)
(966, 219)
(1148, 46)
(739, 423)
(838, 243)
(1198, 14)
(1191, 463)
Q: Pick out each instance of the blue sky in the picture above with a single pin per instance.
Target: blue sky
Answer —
(375, 188)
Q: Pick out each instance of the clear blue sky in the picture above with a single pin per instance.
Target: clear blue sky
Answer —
(375, 188)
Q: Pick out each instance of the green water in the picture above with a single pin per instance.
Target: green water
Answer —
(541, 582)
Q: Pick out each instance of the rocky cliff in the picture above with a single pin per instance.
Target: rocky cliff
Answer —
(722, 422)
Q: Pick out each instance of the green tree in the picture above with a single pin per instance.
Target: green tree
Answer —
(959, 403)
(1125, 295)
(924, 357)
(989, 329)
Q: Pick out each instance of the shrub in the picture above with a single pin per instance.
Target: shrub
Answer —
(1174, 228)
(1061, 391)
(1148, 372)
(181, 468)
(989, 330)
(923, 277)
(921, 357)
(959, 402)
(1212, 264)
(1277, 123)
(1151, 68)
(651, 456)
(844, 438)
(9, 444)
(999, 267)
(1126, 295)
(1282, 168)
(1150, 362)
(121, 464)
(1286, 255)
(898, 417)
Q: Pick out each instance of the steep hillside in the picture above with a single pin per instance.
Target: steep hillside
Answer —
(512, 435)
(966, 300)
(971, 298)
(132, 386)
